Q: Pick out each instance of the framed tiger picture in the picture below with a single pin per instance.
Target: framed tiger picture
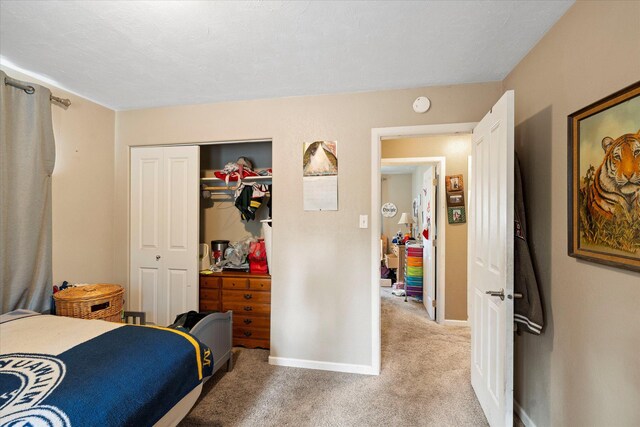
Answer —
(604, 180)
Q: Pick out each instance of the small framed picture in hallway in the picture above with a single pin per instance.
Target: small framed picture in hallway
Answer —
(454, 183)
(457, 215)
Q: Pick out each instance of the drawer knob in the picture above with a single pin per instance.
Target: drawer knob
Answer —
(248, 308)
(247, 321)
(248, 296)
(247, 334)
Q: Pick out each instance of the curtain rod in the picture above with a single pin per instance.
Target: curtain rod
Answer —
(30, 90)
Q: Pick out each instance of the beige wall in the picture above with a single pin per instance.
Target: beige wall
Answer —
(456, 150)
(396, 189)
(585, 369)
(321, 298)
(82, 194)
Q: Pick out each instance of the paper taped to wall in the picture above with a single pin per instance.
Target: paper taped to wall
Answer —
(320, 193)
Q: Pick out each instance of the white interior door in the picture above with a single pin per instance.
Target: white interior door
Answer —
(429, 252)
(146, 278)
(163, 278)
(491, 263)
(181, 220)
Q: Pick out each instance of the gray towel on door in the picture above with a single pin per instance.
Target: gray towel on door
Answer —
(528, 309)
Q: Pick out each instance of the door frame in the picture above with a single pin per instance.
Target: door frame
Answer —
(441, 163)
(377, 135)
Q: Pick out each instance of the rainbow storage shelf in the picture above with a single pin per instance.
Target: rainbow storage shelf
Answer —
(413, 271)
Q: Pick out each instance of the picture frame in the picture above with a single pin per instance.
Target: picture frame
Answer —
(456, 215)
(455, 198)
(454, 183)
(603, 190)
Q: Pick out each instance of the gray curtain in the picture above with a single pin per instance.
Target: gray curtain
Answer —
(27, 156)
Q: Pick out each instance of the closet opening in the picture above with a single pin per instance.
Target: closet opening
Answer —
(235, 236)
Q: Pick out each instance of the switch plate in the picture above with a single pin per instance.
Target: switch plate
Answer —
(364, 221)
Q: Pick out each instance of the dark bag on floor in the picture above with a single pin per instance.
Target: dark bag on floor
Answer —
(186, 321)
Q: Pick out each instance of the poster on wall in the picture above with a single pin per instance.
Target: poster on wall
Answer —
(320, 175)
(604, 180)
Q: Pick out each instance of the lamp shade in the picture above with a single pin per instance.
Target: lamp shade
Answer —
(405, 219)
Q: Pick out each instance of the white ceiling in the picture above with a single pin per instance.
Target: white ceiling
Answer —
(128, 55)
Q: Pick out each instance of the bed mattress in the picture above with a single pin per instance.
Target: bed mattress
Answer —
(60, 371)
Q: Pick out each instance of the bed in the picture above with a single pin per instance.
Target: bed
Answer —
(61, 371)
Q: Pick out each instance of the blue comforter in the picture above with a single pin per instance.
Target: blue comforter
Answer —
(128, 376)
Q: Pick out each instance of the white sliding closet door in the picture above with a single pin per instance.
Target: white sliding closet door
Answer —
(163, 280)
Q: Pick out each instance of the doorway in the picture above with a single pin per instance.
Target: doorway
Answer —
(379, 135)
(411, 186)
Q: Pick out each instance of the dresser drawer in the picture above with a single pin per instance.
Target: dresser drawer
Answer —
(234, 283)
(260, 284)
(251, 332)
(210, 282)
(210, 294)
(255, 321)
(250, 343)
(249, 296)
(246, 308)
(208, 305)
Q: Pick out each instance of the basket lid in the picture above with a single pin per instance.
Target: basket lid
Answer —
(86, 292)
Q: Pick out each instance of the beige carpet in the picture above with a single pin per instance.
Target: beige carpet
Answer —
(424, 382)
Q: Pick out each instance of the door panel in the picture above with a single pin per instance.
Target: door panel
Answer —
(149, 196)
(182, 176)
(177, 285)
(164, 231)
(491, 249)
(146, 230)
(147, 293)
(429, 252)
(177, 224)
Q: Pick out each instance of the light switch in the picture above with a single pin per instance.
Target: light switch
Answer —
(364, 221)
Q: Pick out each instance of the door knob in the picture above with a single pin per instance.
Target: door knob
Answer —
(499, 293)
(158, 257)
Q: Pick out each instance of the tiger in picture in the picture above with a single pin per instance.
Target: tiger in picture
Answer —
(616, 183)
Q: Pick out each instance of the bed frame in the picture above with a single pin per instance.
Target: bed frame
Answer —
(216, 332)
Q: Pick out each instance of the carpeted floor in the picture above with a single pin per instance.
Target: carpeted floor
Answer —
(424, 382)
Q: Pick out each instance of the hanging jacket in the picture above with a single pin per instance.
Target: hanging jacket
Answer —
(243, 202)
(249, 199)
(528, 309)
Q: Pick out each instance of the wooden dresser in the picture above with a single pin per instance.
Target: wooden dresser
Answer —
(248, 296)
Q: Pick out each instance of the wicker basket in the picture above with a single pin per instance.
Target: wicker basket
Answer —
(99, 301)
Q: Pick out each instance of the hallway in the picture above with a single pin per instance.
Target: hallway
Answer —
(424, 382)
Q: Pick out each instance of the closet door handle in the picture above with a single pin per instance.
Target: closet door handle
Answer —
(248, 308)
(158, 257)
(247, 321)
(248, 296)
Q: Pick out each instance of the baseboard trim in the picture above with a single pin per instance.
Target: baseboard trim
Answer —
(323, 366)
(451, 322)
(524, 417)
